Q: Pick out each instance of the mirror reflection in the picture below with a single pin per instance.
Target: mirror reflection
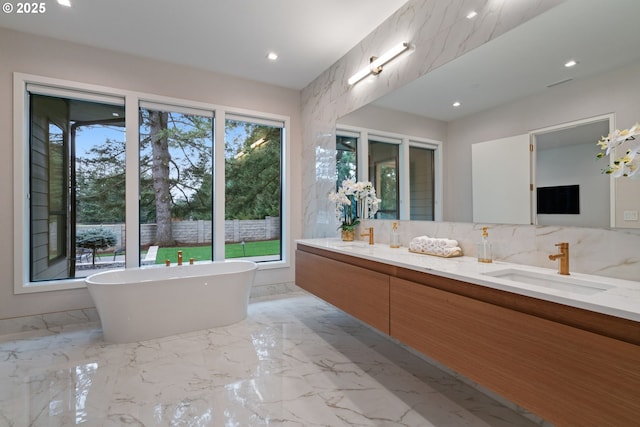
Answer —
(569, 186)
(518, 84)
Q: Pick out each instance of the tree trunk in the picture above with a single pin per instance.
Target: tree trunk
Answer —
(160, 173)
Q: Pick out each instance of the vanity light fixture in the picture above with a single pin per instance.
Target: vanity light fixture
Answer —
(376, 63)
(64, 3)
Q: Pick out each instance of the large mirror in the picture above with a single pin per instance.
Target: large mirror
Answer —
(518, 84)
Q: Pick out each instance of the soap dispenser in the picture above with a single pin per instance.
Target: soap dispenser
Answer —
(395, 236)
(484, 247)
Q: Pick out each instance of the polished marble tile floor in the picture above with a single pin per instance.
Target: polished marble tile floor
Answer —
(295, 361)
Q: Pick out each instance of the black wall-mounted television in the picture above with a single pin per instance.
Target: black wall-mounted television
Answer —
(562, 199)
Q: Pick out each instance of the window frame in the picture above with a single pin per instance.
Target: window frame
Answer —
(271, 122)
(376, 138)
(172, 108)
(132, 99)
(422, 146)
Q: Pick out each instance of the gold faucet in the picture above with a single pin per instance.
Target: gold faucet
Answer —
(563, 265)
(179, 257)
(370, 234)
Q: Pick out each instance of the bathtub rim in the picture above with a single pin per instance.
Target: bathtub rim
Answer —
(158, 270)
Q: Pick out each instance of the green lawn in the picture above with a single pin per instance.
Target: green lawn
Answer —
(232, 250)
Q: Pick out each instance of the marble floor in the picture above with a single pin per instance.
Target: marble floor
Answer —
(295, 361)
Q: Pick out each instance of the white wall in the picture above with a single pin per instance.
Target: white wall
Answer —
(378, 118)
(615, 92)
(52, 58)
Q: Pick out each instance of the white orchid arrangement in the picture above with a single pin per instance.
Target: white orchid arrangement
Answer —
(628, 164)
(354, 200)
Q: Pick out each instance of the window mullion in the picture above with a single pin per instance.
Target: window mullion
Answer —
(219, 185)
(363, 156)
(132, 189)
(404, 179)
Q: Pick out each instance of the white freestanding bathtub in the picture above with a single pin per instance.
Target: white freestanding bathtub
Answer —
(142, 303)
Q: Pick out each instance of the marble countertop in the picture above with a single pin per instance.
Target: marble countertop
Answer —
(616, 297)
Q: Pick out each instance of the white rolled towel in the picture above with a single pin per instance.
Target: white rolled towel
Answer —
(455, 251)
(447, 243)
(419, 244)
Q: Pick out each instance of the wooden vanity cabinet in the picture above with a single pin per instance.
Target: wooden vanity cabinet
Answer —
(571, 367)
(359, 291)
(566, 375)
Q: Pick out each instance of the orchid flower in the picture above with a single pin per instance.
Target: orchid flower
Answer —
(628, 164)
(354, 198)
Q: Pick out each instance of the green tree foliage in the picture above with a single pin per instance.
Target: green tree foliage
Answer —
(253, 180)
(388, 188)
(100, 177)
(100, 181)
(189, 144)
(94, 239)
(345, 166)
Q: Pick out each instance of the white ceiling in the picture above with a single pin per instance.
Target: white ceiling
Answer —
(601, 34)
(226, 36)
(234, 36)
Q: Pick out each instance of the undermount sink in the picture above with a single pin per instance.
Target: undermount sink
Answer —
(551, 281)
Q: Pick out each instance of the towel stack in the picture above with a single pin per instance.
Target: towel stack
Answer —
(435, 246)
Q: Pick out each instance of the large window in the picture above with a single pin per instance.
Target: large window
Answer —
(109, 179)
(253, 197)
(176, 183)
(76, 183)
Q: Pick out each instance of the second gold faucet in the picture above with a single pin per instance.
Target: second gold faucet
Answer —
(563, 265)
(370, 234)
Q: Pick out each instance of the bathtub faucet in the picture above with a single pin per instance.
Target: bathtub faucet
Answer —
(179, 257)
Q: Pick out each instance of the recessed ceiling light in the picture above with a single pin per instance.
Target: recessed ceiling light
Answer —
(571, 63)
(64, 3)
(472, 14)
(272, 56)
(457, 104)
